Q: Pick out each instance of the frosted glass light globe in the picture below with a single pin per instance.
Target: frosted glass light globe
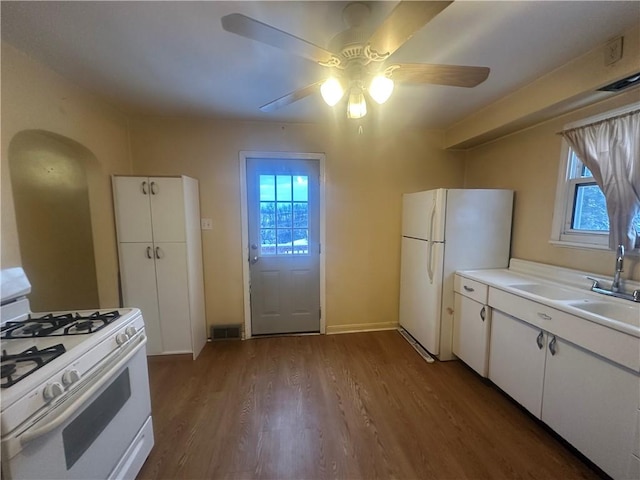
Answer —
(381, 88)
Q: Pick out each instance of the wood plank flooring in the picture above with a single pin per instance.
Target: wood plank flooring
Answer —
(352, 406)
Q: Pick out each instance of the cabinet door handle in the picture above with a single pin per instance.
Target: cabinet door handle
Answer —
(552, 346)
(483, 313)
(540, 340)
(153, 188)
(469, 289)
(149, 252)
(544, 316)
(144, 188)
(158, 252)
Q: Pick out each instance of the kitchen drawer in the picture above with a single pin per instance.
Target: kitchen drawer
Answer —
(472, 289)
(607, 342)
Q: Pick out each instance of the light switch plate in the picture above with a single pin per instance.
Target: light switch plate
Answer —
(206, 224)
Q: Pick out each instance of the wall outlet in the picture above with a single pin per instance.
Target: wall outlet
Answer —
(206, 224)
(613, 51)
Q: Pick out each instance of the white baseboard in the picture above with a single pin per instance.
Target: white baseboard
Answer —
(361, 327)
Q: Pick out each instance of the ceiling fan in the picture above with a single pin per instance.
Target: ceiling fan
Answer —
(357, 60)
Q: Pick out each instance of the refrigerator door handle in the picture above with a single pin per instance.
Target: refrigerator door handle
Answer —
(433, 216)
(430, 261)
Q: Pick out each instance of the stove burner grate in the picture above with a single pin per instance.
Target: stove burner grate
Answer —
(60, 324)
(17, 366)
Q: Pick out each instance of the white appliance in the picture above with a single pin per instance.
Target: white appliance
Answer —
(74, 390)
(445, 230)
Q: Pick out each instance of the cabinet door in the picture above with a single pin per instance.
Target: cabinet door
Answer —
(516, 360)
(138, 277)
(133, 215)
(167, 209)
(592, 404)
(471, 333)
(173, 296)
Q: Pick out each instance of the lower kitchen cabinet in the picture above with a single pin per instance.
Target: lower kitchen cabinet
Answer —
(516, 360)
(592, 404)
(588, 400)
(471, 322)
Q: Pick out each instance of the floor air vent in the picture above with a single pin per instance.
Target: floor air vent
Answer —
(226, 332)
(416, 346)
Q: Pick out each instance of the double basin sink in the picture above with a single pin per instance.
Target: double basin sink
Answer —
(616, 310)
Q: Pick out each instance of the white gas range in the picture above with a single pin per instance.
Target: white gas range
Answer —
(74, 390)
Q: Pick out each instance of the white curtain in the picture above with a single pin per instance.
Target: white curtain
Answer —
(611, 150)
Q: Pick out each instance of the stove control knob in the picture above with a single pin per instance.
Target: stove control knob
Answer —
(122, 338)
(131, 331)
(52, 390)
(70, 376)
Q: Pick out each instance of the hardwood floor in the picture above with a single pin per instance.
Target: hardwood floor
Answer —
(353, 406)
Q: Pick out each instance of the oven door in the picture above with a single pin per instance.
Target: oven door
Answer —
(91, 432)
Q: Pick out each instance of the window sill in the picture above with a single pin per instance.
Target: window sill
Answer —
(584, 246)
(590, 246)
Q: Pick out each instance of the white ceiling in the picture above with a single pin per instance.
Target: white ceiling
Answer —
(174, 58)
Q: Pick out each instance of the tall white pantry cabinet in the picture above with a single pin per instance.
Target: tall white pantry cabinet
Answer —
(160, 255)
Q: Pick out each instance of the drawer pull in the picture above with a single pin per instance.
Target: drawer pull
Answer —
(469, 289)
(483, 314)
(540, 340)
(552, 346)
(544, 316)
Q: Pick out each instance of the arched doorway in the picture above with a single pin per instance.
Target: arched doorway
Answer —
(51, 197)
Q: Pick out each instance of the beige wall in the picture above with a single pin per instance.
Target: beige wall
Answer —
(35, 98)
(528, 162)
(365, 177)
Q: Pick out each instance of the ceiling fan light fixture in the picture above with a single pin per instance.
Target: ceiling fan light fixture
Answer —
(357, 107)
(381, 88)
(331, 91)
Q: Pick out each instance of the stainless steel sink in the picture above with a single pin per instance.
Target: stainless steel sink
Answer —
(548, 291)
(615, 311)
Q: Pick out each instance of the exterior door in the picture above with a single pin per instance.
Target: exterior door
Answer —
(283, 208)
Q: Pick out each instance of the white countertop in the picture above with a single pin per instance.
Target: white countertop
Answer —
(526, 273)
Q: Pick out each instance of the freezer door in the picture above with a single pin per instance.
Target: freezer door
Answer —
(423, 214)
(478, 228)
(420, 296)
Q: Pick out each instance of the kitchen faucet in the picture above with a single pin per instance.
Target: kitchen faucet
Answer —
(615, 286)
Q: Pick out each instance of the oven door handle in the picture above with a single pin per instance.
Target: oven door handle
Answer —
(32, 434)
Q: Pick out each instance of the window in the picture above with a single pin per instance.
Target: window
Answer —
(580, 216)
(284, 215)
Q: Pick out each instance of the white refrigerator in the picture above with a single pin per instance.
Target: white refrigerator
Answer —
(445, 230)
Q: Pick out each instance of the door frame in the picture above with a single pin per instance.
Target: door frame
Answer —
(244, 222)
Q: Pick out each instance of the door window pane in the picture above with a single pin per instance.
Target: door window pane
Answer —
(267, 214)
(284, 242)
(300, 215)
(283, 190)
(267, 241)
(301, 188)
(267, 188)
(300, 241)
(284, 214)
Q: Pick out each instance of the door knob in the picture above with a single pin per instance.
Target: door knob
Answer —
(254, 260)
(254, 246)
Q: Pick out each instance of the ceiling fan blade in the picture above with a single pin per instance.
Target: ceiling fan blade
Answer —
(404, 20)
(289, 98)
(261, 32)
(454, 75)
